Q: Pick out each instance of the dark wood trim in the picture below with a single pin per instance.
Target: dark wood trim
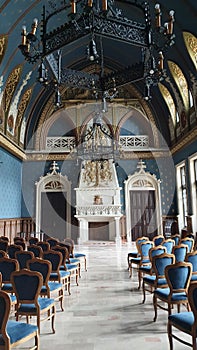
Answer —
(12, 227)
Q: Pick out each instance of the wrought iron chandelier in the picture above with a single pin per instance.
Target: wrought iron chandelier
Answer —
(98, 20)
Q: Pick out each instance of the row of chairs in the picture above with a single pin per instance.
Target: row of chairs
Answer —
(173, 281)
(32, 285)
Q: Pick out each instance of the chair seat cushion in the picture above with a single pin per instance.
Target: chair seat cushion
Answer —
(146, 269)
(19, 330)
(135, 260)
(132, 254)
(54, 286)
(71, 267)
(194, 278)
(7, 287)
(79, 255)
(151, 280)
(64, 273)
(74, 261)
(163, 293)
(43, 303)
(183, 320)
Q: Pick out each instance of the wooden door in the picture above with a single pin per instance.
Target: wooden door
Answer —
(143, 215)
(53, 214)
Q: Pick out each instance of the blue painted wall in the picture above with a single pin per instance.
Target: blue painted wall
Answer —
(10, 185)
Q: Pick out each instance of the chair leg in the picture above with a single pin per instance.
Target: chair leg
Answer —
(144, 292)
(139, 278)
(170, 335)
(155, 307)
(37, 341)
(53, 319)
(85, 262)
(61, 298)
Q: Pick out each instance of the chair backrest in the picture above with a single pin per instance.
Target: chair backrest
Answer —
(33, 240)
(144, 249)
(178, 276)
(22, 244)
(189, 242)
(176, 238)
(70, 242)
(140, 240)
(192, 258)
(7, 267)
(3, 254)
(23, 278)
(159, 263)
(22, 257)
(64, 252)
(42, 266)
(180, 252)
(192, 298)
(3, 245)
(156, 251)
(12, 249)
(168, 243)
(34, 248)
(52, 242)
(55, 258)
(5, 306)
(44, 245)
(18, 239)
(158, 240)
(4, 238)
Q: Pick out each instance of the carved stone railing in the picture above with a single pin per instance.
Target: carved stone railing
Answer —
(95, 210)
(132, 142)
(60, 144)
(67, 143)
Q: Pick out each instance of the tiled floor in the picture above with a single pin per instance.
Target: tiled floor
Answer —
(105, 312)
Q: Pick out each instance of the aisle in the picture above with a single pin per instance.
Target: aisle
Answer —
(105, 312)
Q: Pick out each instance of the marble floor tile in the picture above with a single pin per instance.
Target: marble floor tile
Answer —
(105, 312)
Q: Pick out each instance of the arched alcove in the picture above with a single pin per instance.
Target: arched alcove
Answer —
(53, 204)
(142, 204)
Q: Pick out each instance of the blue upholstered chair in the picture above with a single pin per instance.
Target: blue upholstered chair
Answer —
(180, 252)
(7, 267)
(27, 286)
(189, 242)
(148, 269)
(176, 238)
(12, 249)
(52, 242)
(74, 268)
(4, 245)
(143, 259)
(168, 243)
(3, 254)
(158, 239)
(81, 257)
(33, 240)
(192, 258)
(36, 250)
(157, 279)
(44, 245)
(185, 322)
(136, 253)
(22, 257)
(61, 276)
(49, 289)
(13, 333)
(178, 277)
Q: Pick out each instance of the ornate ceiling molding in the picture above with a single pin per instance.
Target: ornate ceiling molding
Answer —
(191, 137)
(191, 45)
(13, 149)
